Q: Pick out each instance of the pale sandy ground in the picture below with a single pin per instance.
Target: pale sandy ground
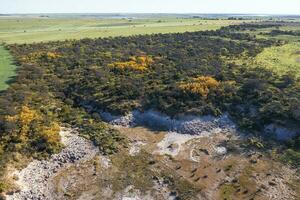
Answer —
(34, 180)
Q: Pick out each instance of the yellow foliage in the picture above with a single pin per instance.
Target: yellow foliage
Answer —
(51, 133)
(200, 85)
(23, 120)
(52, 55)
(25, 116)
(33, 57)
(139, 63)
(132, 58)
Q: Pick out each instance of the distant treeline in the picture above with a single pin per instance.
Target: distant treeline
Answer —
(280, 32)
(252, 26)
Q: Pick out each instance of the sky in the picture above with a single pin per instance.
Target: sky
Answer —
(151, 6)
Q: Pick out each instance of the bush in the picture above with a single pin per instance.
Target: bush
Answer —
(292, 157)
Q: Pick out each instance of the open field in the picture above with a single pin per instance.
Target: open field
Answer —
(28, 30)
(260, 33)
(6, 68)
(282, 59)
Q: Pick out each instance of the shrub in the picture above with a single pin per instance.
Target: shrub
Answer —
(200, 85)
(292, 157)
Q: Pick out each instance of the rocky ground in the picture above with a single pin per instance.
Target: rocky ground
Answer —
(221, 170)
(35, 180)
(208, 157)
(193, 125)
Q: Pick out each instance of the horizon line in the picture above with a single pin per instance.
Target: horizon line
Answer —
(155, 13)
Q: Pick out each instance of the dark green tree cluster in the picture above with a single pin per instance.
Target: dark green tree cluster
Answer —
(281, 32)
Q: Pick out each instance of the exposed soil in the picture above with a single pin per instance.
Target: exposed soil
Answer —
(219, 171)
(212, 163)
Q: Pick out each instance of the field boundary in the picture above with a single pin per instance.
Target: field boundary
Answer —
(7, 69)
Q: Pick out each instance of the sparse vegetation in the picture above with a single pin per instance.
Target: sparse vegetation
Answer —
(133, 170)
(292, 157)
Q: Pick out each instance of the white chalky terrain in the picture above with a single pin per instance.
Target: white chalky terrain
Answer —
(172, 143)
(189, 124)
(35, 180)
(136, 147)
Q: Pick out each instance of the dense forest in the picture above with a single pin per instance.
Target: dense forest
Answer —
(185, 73)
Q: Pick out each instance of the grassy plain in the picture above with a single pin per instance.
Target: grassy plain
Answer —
(281, 59)
(7, 70)
(28, 30)
(288, 38)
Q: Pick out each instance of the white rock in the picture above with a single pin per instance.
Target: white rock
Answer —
(190, 124)
(176, 140)
(221, 150)
(136, 147)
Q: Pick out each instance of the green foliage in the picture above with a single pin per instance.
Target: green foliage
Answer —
(3, 187)
(292, 157)
(107, 139)
(292, 154)
(254, 143)
(281, 59)
(280, 32)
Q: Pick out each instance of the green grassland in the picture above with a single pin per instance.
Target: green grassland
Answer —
(287, 38)
(281, 59)
(28, 30)
(6, 68)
